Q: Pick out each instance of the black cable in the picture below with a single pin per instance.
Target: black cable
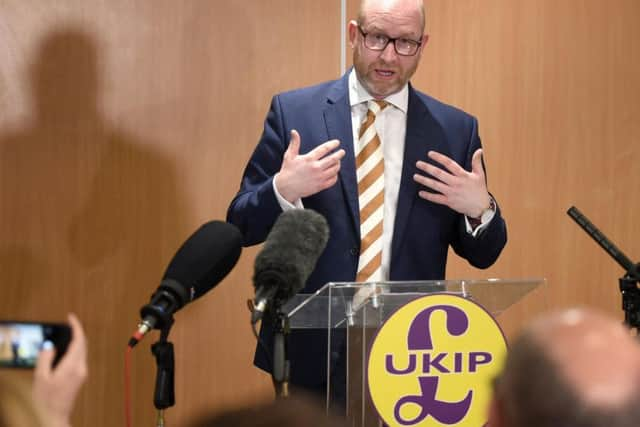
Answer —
(261, 344)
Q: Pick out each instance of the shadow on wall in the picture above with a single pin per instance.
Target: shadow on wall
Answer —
(89, 215)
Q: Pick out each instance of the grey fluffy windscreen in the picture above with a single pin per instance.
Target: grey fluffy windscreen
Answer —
(290, 252)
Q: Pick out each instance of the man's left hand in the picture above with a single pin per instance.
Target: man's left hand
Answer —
(463, 191)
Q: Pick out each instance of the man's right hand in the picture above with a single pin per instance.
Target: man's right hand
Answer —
(303, 175)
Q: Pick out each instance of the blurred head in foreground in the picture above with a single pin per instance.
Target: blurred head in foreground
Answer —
(576, 367)
(290, 412)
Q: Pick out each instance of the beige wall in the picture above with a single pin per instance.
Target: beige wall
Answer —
(125, 125)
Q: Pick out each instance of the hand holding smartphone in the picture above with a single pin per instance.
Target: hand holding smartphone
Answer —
(55, 389)
(21, 342)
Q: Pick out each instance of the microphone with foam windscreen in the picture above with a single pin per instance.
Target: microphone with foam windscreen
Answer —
(202, 261)
(288, 257)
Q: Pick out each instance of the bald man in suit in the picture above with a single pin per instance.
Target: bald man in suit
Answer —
(435, 188)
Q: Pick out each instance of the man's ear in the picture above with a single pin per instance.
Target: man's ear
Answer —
(352, 28)
(425, 40)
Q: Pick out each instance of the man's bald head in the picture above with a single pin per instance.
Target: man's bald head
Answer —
(367, 5)
(383, 70)
(575, 367)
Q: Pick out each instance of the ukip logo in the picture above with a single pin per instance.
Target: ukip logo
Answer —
(432, 362)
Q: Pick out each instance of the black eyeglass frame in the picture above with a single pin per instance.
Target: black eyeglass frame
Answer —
(389, 40)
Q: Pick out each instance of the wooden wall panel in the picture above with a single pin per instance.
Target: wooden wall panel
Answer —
(124, 126)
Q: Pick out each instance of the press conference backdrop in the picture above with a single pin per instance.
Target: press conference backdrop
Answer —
(125, 126)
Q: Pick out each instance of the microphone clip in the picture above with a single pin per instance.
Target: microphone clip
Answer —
(158, 314)
(168, 299)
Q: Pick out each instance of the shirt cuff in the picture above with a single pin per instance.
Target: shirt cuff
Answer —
(479, 224)
(285, 205)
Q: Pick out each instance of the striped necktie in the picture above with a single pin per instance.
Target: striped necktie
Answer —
(370, 173)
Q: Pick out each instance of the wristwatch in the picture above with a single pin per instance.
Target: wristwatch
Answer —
(485, 215)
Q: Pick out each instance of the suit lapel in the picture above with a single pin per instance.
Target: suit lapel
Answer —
(337, 117)
(424, 133)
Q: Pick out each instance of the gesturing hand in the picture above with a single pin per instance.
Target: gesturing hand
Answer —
(464, 192)
(302, 175)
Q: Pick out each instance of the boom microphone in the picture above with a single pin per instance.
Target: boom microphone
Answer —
(288, 257)
(606, 244)
(202, 261)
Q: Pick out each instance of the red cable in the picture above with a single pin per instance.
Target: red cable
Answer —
(127, 391)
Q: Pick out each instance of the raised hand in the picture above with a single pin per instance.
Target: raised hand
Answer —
(302, 175)
(56, 389)
(463, 191)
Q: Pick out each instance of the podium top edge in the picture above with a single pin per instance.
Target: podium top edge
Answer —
(471, 282)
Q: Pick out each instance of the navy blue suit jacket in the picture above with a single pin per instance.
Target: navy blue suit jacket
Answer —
(423, 230)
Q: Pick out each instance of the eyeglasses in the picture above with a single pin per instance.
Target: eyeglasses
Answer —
(403, 46)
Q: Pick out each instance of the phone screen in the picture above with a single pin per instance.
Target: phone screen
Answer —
(21, 342)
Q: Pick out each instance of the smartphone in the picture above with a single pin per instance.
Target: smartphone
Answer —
(21, 342)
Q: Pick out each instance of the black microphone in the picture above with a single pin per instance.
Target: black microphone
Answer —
(288, 257)
(202, 261)
(606, 244)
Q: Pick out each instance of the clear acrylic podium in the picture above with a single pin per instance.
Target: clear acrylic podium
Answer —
(360, 309)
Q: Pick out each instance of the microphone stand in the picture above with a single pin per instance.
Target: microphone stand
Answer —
(629, 282)
(631, 301)
(164, 396)
(281, 370)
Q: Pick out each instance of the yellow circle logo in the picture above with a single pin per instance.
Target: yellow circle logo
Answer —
(432, 362)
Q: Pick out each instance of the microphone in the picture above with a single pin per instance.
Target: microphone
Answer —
(288, 257)
(202, 261)
(613, 251)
